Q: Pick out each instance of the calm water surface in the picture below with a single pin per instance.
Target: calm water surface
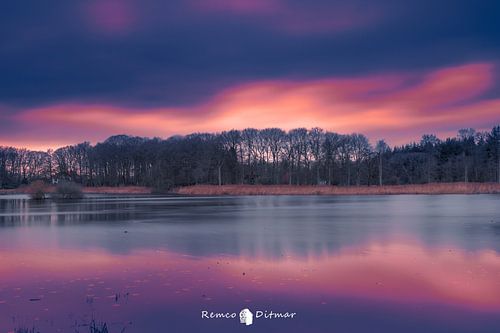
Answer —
(343, 264)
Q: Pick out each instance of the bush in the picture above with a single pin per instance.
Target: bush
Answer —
(37, 190)
(68, 190)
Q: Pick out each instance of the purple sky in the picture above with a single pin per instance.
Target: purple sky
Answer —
(84, 70)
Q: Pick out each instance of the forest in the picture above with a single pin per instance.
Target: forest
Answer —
(269, 156)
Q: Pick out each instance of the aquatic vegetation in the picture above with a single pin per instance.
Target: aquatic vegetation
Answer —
(98, 327)
(26, 330)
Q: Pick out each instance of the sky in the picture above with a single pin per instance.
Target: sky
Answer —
(74, 71)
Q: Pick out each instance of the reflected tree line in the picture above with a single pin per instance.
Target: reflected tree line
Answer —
(28, 212)
(251, 156)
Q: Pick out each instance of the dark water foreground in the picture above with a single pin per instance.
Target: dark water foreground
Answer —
(342, 264)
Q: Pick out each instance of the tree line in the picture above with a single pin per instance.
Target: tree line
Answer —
(251, 156)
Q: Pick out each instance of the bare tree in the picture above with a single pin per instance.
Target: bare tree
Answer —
(429, 142)
(299, 156)
(381, 148)
(331, 146)
(467, 136)
(361, 151)
(316, 139)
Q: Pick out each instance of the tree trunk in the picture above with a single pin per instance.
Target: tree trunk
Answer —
(380, 170)
(329, 174)
(465, 167)
(317, 175)
(348, 174)
(219, 174)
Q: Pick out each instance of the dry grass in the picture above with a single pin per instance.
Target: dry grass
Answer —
(87, 190)
(434, 188)
(25, 189)
(118, 190)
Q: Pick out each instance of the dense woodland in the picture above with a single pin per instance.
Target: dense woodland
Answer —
(251, 156)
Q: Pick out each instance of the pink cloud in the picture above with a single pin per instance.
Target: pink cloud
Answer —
(397, 107)
(110, 17)
(448, 86)
(294, 19)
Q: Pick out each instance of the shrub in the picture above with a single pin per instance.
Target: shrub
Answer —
(37, 190)
(68, 190)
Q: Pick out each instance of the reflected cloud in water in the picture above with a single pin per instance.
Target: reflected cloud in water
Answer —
(407, 278)
(397, 263)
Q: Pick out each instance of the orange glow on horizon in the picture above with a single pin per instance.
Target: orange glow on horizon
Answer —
(392, 107)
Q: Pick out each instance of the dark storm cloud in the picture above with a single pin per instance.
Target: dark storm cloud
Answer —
(154, 53)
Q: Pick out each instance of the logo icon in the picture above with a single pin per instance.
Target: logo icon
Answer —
(246, 317)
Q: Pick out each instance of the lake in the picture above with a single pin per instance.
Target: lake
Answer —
(341, 264)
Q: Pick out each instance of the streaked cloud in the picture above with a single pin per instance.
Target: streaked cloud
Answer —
(399, 107)
(152, 53)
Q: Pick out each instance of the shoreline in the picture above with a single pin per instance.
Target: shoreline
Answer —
(433, 188)
(88, 190)
(240, 190)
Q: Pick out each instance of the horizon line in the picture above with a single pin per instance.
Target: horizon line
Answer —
(216, 133)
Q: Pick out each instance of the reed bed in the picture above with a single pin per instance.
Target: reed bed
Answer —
(434, 188)
(86, 190)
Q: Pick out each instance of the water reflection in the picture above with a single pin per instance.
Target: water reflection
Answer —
(72, 286)
(347, 264)
(252, 226)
